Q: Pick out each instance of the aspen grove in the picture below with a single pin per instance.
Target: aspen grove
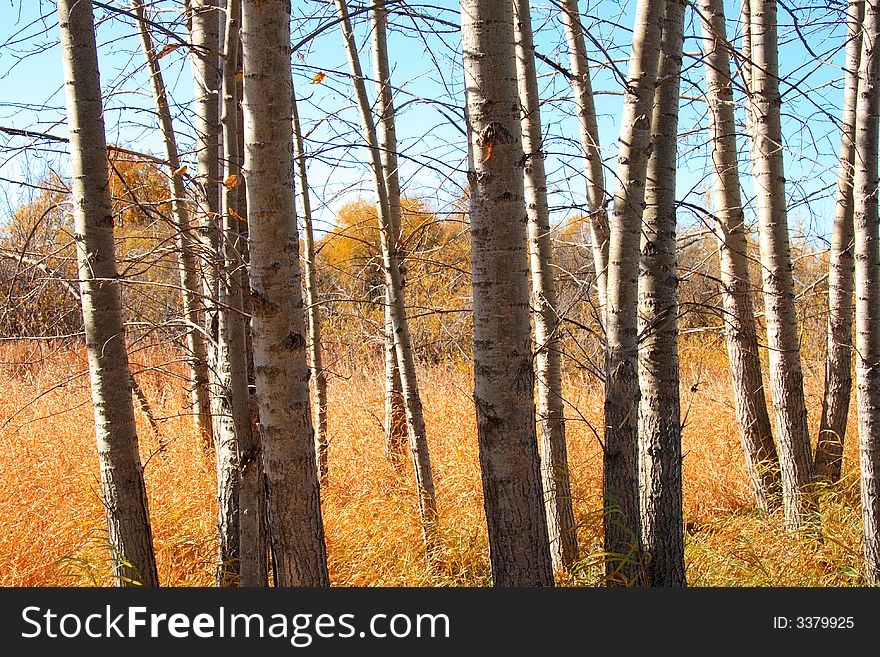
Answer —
(489, 293)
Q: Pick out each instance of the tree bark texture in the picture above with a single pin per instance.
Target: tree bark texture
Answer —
(867, 276)
(756, 436)
(252, 503)
(278, 324)
(386, 135)
(122, 482)
(838, 359)
(621, 486)
(786, 376)
(503, 376)
(662, 523)
(590, 145)
(205, 65)
(233, 421)
(555, 479)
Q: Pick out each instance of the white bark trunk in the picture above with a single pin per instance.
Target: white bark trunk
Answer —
(233, 425)
(386, 134)
(756, 437)
(838, 361)
(590, 145)
(313, 310)
(867, 275)
(555, 479)
(278, 324)
(503, 374)
(123, 493)
(621, 486)
(745, 21)
(659, 409)
(185, 241)
(418, 439)
(253, 511)
(786, 376)
(204, 23)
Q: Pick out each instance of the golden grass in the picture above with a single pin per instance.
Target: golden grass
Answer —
(52, 530)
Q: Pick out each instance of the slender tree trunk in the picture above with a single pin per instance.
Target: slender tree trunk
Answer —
(762, 463)
(189, 281)
(253, 510)
(278, 324)
(659, 409)
(122, 482)
(867, 274)
(503, 375)
(786, 377)
(233, 417)
(204, 22)
(621, 485)
(418, 439)
(745, 21)
(548, 368)
(589, 135)
(395, 410)
(838, 360)
(313, 310)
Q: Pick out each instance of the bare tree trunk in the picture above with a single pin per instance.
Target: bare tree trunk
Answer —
(204, 20)
(745, 21)
(313, 310)
(621, 485)
(395, 408)
(122, 483)
(253, 510)
(278, 324)
(838, 360)
(189, 282)
(503, 375)
(867, 275)
(233, 415)
(756, 436)
(418, 439)
(548, 369)
(589, 135)
(786, 377)
(660, 456)
(252, 503)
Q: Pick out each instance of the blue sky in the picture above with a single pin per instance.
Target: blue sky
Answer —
(427, 72)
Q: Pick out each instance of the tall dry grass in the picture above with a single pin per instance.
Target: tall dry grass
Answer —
(52, 530)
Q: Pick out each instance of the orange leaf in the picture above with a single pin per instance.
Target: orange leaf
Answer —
(167, 50)
(180, 171)
(235, 215)
(319, 78)
(488, 152)
(231, 181)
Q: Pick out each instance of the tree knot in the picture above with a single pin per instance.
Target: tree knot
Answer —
(495, 133)
(293, 341)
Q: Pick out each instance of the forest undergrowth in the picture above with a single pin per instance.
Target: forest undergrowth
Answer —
(53, 529)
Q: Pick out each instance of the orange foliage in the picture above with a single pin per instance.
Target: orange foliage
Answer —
(52, 529)
(436, 274)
